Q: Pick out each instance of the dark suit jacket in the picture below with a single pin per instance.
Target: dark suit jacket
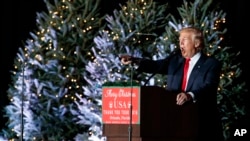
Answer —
(203, 83)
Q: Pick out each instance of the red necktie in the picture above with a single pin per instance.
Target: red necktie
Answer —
(184, 80)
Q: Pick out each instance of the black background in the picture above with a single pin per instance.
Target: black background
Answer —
(18, 18)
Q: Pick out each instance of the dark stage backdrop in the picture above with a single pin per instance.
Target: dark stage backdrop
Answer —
(18, 18)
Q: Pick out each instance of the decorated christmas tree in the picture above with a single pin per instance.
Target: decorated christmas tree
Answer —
(56, 92)
(49, 75)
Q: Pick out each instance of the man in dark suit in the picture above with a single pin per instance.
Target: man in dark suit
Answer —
(202, 76)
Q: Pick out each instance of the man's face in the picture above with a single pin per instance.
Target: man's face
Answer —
(187, 44)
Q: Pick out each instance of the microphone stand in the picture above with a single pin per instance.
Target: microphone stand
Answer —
(146, 82)
(131, 106)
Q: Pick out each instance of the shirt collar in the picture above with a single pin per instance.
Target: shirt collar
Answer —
(195, 57)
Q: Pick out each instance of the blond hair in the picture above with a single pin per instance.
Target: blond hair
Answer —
(197, 36)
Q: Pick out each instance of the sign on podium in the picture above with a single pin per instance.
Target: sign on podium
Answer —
(116, 105)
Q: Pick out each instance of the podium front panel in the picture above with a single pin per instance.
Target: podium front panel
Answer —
(160, 117)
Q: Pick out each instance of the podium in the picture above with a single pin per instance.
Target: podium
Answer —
(160, 119)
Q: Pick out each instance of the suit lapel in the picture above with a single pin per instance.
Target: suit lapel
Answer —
(195, 72)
